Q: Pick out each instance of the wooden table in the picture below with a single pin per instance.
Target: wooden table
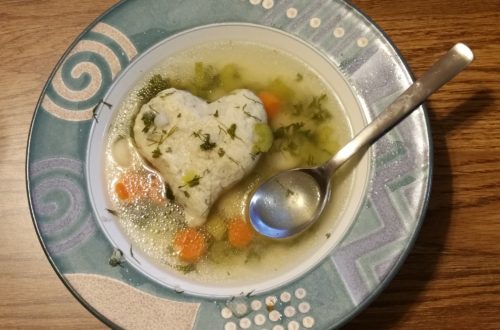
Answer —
(452, 277)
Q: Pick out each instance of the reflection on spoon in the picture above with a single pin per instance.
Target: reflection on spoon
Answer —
(290, 202)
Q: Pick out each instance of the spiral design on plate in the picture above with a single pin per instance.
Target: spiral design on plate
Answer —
(80, 80)
(60, 203)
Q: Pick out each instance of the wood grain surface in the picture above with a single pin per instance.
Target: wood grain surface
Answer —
(451, 280)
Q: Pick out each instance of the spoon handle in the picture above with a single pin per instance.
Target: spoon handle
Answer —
(447, 67)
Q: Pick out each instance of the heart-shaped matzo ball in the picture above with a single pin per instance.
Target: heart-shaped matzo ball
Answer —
(200, 148)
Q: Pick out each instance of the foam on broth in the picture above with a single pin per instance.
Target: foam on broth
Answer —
(150, 226)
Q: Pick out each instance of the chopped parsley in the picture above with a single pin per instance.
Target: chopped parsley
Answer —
(188, 268)
(156, 153)
(164, 135)
(299, 77)
(232, 131)
(205, 138)
(113, 212)
(169, 194)
(290, 137)
(318, 112)
(221, 152)
(148, 118)
(195, 181)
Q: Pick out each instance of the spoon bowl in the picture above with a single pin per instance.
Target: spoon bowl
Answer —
(293, 200)
(290, 202)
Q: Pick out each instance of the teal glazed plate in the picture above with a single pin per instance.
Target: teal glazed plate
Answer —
(85, 89)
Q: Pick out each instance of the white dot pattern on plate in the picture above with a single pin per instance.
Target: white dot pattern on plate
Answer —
(285, 296)
(259, 319)
(241, 309)
(278, 327)
(362, 42)
(226, 313)
(338, 32)
(274, 316)
(256, 305)
(245, 323)
(308, 322)
(294, 325)
(291, 12)
(315, 22)
(287, 310)
(230, 326)
(304, 307)
(290, 311)
(300, 293)
(255, 2)
(271, 300)
(268, 4)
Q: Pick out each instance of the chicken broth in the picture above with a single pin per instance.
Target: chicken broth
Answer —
(305, 125)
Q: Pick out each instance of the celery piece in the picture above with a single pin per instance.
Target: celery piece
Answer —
(230, 78)
(264, 138)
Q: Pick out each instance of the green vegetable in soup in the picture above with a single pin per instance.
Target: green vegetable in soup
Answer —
(264, 138)
(206, 80)
(156, 84)
(230, 78)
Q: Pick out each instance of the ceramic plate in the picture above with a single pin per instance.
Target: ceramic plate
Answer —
(330, 293)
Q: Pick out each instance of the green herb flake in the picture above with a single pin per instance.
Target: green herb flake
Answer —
(216, 114)
(148, 119)
(232, 131)
(185, 268)
(205, 138)
(221, 152)
(297, 109)
(156, 153)
(113, 212)
(194, 181)
(288, 138)
(316, 109)
(169, 194)
(299, 77)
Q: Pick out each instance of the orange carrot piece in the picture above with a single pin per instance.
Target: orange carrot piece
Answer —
(134, 185)
(239, 233)
(122, 191)
(272, 103)
(190, 244)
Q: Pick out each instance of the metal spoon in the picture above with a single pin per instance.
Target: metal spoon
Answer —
(290, 202)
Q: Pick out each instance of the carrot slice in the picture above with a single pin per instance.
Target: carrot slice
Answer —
(190, 244)
(239, 233)
(135, 185)
(272, 103)
(122, 191)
